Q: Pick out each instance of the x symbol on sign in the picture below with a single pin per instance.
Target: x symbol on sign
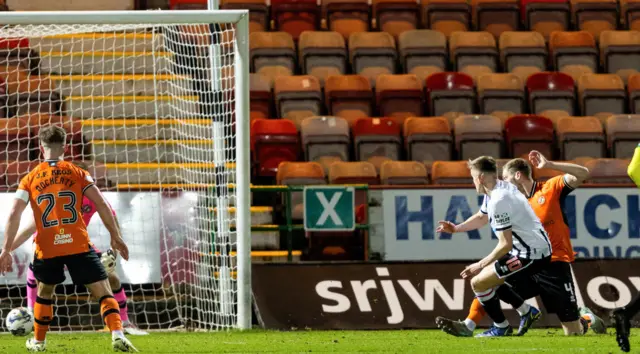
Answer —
(329, 208)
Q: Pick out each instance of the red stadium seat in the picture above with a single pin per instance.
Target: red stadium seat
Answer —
(272, 142)
(546, 16)
(529, 132)
(295, 16)
(450, 92)
(551, 91)
(377, 137)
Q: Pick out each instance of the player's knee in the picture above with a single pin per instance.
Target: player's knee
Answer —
(114, 281)
(100, 288)
(45, 291)
(476, 284)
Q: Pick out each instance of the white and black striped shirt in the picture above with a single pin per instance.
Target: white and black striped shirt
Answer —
(509, 209)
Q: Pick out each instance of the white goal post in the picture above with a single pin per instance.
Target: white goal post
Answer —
(209, 163)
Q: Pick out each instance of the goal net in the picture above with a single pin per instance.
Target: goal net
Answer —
(155, 104)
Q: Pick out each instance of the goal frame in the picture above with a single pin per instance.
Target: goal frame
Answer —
(240, 18)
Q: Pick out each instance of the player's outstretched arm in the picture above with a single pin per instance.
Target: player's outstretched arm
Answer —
(24, 235)
(634, 167)
(106, 214)
(574, 173)
(476, 221)
(13, 224)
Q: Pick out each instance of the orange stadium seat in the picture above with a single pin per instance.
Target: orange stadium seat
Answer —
(623, 134)
(446, 16)
(473, 53)
(272, 142)
(295, 16)
(546, 16)
(353, 173)
(600, 93)
(298, 96)
(347, 16)
(555, 115)
(259, 20)
(403, 173)
(604, 171)
(428, 139)
(496, 16)
(595, 16)
(450, 92)
(297, 174)
(529, 132)
(322, 54)
(348, 96)
(376, 137)
(630, 14)
(16, 140)
(551, 91)
(573, 53)
(500, 92)
(272, 54)
(620, 52)
(396, 16)
(478, 135)
(325, 136)
(399, 96)
(261, 97)
(450, 172)
(580, 137)
(633, 86)
(523, 53)
(372, 54)
(422, 52)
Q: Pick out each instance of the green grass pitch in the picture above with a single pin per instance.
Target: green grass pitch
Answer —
(409, 341)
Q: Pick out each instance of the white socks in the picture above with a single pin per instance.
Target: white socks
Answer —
(470, 324)
(504, 324)
(117, 334)
(523, 309)
(125, 323)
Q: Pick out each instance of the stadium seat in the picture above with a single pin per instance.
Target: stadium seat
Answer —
(259, 20)
(298, 96)
(551, 91)
(298, 174)
(17, 52)
(580, 137)
(325, 136)
(546, 16)
(496, 16)
(272, 142)
(295, 16)
(28, 93)
(608, 171)
(500, 92)
(633, 86)
(272, 54)
(403, 173)
(322, 54)
(473, 53)
(428, 139)
(554, 115)
(620, 52)
(261, 96)
(529, 132)
(347, 16)
(353, 173)
(573, 53)
(377, 137)
(478, 135)
(523, 53)
(450, 92)
(348, 96)
(623, 134)
(372, 54)
(422, 52)
(16, 140)
(630, 14)
(13, 171)
(599, 93)
(187, 4)
(595, 16)
(396, 16)
(450, 172)
(446, 16)
(544, 174)
(399, 96)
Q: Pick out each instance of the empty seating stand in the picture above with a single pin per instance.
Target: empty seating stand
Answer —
(620, 52)
(261, 96)
(607, 171)
(403, 173)
(322, 54)
(573, 53)
(349, 96)
(299, 173)
(377, 137)
(259, 19)
(399, 96)
(272, 54)
(347, 16)
(447, 16)
(450, 92)
(450, 172)
(396, 16)
(428, 139)
(630, 14)
(295, 16)
(500, 92)
(298, 97)
(623, 134)
(523, 53)
(478, 135)
(325, 136)
(473, 53)
(272, 142)
(580, 137)
(595, 16)
(633, 87)
(551, 91)
(422, 52)
(372, 54)
(601, 93)
(546, 16)
(496, 16)
(529, 132)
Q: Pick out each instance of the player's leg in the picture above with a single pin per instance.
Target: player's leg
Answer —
(48, 273)
(485, 286)
(32, 288)
(463, 328)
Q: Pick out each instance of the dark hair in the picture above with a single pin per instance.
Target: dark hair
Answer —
(518, 165)
(52, 135)
(484, 164)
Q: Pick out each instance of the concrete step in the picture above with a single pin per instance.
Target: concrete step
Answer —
(142, 129)
(121, 85)
(153, 173)
(107, 62)
(125, 151)
(85, 107)
(129, 42)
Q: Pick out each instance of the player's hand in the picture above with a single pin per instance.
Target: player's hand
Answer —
(6, 262)
(446, 226)
(537, 159)
(471, 270)
(117, 244)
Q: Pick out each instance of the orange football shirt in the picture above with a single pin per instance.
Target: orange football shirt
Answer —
(546, 198)
(55, 189)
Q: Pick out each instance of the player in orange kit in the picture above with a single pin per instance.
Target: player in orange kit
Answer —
(555, 283)
(55, 189)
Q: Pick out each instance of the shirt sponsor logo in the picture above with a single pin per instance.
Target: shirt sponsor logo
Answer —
(62, 238)
(541, 200)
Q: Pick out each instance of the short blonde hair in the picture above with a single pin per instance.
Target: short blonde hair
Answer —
(483, 164)
(518, 165)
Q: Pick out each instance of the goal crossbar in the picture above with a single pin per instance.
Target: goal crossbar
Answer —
(124, 17)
